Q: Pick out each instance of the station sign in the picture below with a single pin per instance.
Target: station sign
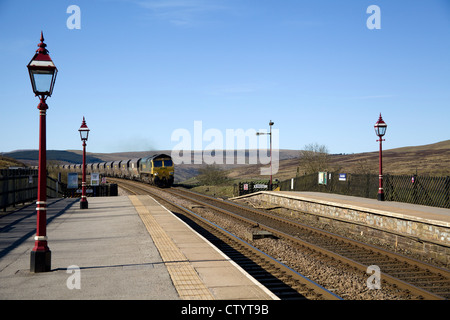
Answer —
(95, 179)
(260, 186)
(72, 180)
(323, 178)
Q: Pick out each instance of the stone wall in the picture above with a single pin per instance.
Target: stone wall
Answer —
(424, 237)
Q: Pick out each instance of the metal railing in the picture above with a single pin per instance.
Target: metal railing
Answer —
(429, 191)
(20, 185)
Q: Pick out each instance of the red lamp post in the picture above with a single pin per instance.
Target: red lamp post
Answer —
(84, 133)
(380, 130)
(42, 72)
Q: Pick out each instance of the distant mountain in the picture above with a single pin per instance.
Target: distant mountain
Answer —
(75, 156)
(183, 171)
(6, 162)
(31, 157)
(432, 159)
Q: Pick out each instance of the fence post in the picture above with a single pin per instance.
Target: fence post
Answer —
(348, 183)
(387, 187)
(414, 191)
(447, 189)
(368, 185)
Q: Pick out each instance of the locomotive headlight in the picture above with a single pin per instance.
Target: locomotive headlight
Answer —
(155, 174)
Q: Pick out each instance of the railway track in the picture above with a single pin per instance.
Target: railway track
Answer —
(421, 279)
(284, 282)
(414, 279)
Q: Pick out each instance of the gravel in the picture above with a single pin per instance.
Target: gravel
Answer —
(345, 281)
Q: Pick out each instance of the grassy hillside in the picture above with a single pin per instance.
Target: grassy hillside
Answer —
(6, 162)
(31, 157)
(432, 159)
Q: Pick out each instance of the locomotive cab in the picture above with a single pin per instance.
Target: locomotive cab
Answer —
(157, 170)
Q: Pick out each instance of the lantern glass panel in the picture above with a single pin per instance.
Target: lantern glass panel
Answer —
(42, 81)
(380, 130)
(84, 134)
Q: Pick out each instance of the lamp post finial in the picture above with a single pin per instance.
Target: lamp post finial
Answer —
(42, 46)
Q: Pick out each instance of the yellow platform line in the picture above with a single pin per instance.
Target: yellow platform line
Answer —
(186, 280)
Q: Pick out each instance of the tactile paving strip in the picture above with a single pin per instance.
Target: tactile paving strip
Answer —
(186, 280)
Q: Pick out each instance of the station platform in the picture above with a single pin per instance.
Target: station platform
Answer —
(124, 247)
(439, 216)
(422, 229)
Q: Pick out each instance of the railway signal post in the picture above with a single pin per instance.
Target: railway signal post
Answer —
(42, 72)
(271, 123)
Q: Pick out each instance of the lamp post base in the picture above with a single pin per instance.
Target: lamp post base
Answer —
(83, 205)
(40, 261)
(380, 197)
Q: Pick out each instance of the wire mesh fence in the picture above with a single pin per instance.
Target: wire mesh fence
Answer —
(429, 191)
(423, 190)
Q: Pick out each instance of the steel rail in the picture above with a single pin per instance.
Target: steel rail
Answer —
(385, 276)
(425, 294)
(279, 266)
(363, 245)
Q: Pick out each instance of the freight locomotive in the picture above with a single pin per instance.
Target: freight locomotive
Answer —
(157, 170)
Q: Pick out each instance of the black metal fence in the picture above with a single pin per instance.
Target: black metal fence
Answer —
(20, 186)
(430, 191)
(104, 190)
(360, 185)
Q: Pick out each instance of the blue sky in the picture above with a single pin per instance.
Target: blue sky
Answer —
(140, 69)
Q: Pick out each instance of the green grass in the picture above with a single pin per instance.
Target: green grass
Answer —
(223, 191)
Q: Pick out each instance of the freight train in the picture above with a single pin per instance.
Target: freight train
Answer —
(157, 170)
